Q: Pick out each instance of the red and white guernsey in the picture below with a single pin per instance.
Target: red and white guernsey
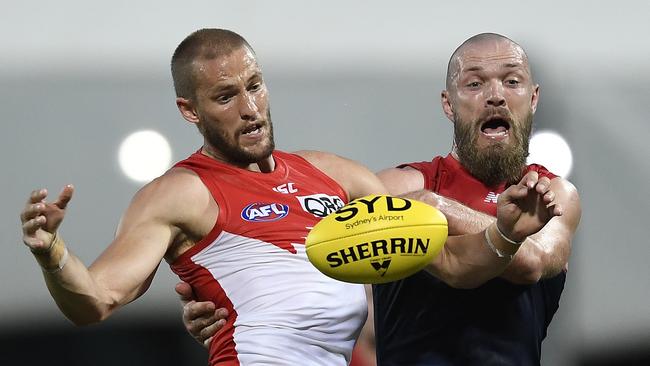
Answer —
(282, 310)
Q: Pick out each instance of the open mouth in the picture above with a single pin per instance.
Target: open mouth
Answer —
(495, 127)
(252, 129)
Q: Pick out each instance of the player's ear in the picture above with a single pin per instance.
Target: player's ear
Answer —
(535, 98)
(446, 105)
(187, 109)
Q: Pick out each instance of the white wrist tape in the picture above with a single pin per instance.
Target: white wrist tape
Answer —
(494, 249)
(507, 238)
(62, 262)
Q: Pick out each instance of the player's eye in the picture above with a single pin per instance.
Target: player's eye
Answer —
(223, 99)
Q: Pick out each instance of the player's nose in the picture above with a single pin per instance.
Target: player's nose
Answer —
(494, 95)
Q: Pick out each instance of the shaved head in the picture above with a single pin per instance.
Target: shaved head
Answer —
(204, 44)
(479, 39)
(490, 97)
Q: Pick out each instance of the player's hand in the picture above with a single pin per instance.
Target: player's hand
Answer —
(201, 319)
(523, 209)
(41, 219)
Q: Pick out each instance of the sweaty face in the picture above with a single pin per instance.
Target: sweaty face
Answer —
(493, 100)
(233, 108)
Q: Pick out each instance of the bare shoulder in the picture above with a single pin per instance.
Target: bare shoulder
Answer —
(175, 196)
(322, 159)
(402, 180)
(330, 164)
(354, 177)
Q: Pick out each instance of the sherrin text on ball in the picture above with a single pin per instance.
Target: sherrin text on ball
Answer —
(377, 239)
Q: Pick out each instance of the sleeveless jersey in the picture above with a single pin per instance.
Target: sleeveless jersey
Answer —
(282, 310)
(422, 321)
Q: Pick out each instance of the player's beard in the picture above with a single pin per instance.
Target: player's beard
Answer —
(498, 162)
(231, 150)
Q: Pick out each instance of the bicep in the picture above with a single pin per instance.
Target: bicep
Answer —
(401, 180)
(126, 267)
(353, 177)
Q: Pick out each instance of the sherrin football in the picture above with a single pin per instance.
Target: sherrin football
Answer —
(377, 239)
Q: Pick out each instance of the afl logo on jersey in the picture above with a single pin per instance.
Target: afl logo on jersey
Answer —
(264, 212)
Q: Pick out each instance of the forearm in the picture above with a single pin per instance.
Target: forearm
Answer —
(543, 255)
(73, 288)
(538, 259)
(461, 219)
(468, 261)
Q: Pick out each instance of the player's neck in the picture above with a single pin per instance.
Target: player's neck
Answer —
(265, 165)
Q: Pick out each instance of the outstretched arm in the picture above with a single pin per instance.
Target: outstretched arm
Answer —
(123, 271)
(467, 261)
(544, 254)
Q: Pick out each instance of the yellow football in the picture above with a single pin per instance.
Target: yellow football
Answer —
(377, 239)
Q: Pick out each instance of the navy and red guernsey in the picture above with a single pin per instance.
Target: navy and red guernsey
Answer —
(421, 320)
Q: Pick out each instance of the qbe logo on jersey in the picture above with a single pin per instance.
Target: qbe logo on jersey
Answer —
(320, 205)
(264, 212)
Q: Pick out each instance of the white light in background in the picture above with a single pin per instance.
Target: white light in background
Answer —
(551, 150)
(144, 155)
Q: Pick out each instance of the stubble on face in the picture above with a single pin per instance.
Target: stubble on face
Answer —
(231, 150)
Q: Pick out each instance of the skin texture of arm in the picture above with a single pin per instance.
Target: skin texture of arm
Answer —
(357, 180)
(543, 255)
(125, 269)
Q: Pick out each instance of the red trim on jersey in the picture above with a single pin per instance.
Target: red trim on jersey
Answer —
(222, 347)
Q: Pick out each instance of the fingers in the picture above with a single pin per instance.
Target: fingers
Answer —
(203, 321)
(207, 342)
(210, 330)
(31, 211)
(556, 210)
(520, 190)
(40, 215)
(193, 310)
(31, 225)
(530, 179)
(32, 207)
(65, 196)
(32, 218)
(29, 232)
(37, 195)
(184, 290)
(543, 188)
